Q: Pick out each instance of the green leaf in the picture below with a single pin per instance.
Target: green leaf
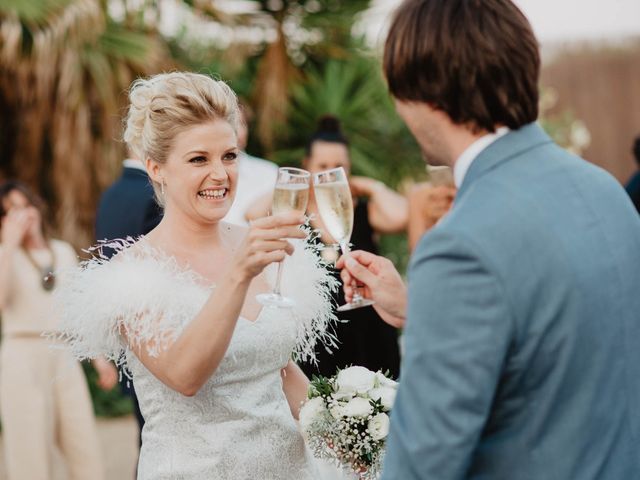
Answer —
(32, 11)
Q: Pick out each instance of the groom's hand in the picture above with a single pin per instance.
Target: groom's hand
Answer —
(381, 283)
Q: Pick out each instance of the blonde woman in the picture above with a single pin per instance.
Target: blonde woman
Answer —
(212, 368)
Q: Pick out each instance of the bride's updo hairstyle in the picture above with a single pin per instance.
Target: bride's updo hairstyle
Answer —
(164, 105)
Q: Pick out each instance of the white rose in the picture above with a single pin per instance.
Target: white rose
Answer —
(355, 380)
(386, 395)
(358, 407)
(312, 410)
(383, 381)
(337, 410)
(344, 395)
(379, 426)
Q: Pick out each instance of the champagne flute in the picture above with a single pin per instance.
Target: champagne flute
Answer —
(335, 205)
(440, 175)
(291, 194)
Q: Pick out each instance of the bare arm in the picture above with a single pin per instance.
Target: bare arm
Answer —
(388, 210)
(107, 373)
(418, 221)
(427, 205)
(295, 385)
(6, 259)
(14, 228)
(187, 364)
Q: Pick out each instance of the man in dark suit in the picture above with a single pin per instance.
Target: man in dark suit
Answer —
(128, 209)
(522, 336)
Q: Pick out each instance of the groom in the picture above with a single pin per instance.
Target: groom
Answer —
(522, 335)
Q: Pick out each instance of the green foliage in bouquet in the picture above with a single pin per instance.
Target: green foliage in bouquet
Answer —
(319, 387)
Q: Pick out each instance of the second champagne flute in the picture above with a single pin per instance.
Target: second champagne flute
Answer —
(290, 195)
(335, 205)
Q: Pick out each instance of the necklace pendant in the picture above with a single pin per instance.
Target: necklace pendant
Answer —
(48, 280)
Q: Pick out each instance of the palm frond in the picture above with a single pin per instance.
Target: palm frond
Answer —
(71, 65)
(355, 93)
(33, 12)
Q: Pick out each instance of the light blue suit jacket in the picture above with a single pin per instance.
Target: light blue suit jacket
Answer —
(522, 341)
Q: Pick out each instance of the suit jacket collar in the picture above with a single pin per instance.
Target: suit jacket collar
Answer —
(130, 172)
(502, 150)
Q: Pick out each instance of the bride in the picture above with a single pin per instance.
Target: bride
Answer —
(212, 369)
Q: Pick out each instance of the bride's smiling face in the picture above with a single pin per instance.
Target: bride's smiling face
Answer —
(200, 175)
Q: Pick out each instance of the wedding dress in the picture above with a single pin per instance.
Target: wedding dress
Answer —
(239, 425)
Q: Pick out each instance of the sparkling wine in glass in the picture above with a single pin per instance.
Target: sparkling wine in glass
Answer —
(291, 194)
(335, 205)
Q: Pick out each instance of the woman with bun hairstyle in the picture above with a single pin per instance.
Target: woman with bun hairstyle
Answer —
(44, 399)
(212, 367)
(363, 338)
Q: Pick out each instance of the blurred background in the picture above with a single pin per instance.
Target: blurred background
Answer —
(65, 66)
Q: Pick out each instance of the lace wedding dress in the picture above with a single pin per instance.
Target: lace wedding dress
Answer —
(239, 425)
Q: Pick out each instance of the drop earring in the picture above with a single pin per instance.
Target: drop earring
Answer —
(162, 187)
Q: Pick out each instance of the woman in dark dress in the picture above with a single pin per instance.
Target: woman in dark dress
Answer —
(363, 337)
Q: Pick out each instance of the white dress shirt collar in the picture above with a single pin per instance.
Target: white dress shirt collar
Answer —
(465, 160)
(132, 163)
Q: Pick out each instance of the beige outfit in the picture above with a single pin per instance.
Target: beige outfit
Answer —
(44, 399)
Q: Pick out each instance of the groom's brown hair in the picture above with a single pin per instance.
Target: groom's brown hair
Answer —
(476, 60)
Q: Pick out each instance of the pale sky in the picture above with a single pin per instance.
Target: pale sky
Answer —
(555, 20)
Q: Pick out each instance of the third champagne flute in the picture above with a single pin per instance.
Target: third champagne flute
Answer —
(335, 205)
(291, 194)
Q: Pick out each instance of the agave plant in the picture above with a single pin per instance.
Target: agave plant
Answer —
(65, 65)
(353, 91)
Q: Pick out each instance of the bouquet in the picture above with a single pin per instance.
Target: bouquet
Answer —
(346, 418)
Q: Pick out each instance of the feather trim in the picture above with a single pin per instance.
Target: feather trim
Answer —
(308, 281)
(128, 293)
(145, 293)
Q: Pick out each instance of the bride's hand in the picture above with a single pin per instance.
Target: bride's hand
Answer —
(267, 242)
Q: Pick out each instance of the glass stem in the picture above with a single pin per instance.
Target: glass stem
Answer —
(357, 298)
(276, 288)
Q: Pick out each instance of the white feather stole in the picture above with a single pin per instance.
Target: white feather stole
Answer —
(147, 294)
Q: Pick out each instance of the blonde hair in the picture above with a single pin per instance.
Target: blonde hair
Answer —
(164, 105)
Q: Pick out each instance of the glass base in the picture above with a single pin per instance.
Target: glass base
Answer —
(362, 302)
(274, 300)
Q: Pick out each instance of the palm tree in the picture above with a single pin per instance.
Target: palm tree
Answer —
(295, 34)
(65, 65)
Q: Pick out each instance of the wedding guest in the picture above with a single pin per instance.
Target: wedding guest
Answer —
(429, 202)
(212, 367)
(521, 339)
(363, 338)
(44, 399)
(427, 205)
(256, 176)
(633, 185)
(128, 208)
